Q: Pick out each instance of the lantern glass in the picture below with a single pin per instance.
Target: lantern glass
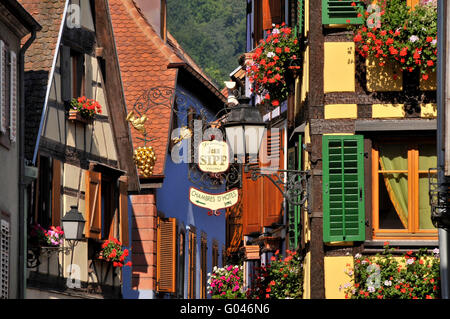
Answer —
(73, 224)
(253, 137)
(235, 138)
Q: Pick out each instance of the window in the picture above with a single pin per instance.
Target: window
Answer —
(215, 253)
(8, 95)
(266, 13)
(343, 188)
(181, 262)
(4, 255)
(340, 12)
(400, 200)
(192, 262)
(72, 73)
(203, 265)
(77, 71)
(106, 208)
(48, 204)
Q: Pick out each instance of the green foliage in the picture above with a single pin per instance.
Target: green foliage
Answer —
(392, 31)
(281, 279)
(226, 282)
(212, 32)
(272, 60)
(412, 276)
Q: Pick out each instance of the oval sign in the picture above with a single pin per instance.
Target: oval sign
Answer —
(213, 201)
(213, 156)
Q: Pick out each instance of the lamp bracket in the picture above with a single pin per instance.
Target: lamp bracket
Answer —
(294, 185)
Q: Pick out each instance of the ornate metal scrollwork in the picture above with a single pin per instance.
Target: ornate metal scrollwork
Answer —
(294, 185)
(215, 181)
(36, 252)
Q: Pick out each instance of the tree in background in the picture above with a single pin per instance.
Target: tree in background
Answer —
(212, 32)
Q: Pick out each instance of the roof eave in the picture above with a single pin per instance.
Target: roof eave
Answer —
(194, 73)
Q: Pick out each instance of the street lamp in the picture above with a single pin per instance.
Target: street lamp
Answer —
(73, 224)
(244, 129)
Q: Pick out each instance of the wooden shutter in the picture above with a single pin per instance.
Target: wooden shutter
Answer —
(56, 193)
(271, 13)
(340, 12)
(166, 255)
(252, 204)
(123, 210)
(93, 194)
(2, 88)
(343, 188)
(13, 98)
(5, 236)
(272, 197)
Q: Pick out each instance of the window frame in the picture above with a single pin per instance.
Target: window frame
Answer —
(413, 232)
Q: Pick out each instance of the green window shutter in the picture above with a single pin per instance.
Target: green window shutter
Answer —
(300, 17)
(340, 12)
(343, 188)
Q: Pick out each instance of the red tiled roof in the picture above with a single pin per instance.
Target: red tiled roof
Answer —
(49, 14)
(146, 61)
(38, 63)
(143, 59)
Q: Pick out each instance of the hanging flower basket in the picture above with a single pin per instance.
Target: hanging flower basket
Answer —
(392, 31)
(40, 237)
(271, 60)
(112, 251)
(84, 110)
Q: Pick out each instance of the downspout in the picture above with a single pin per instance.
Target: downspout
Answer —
(441, 106)
(22, 184)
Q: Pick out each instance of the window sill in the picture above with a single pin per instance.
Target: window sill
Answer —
(401, 243)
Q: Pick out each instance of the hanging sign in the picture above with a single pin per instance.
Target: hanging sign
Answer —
(213, 202)
(213, 156)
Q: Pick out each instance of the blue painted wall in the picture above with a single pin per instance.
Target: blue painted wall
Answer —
(173, 200)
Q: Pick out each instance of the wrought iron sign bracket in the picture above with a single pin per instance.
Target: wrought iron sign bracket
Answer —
(293, 184)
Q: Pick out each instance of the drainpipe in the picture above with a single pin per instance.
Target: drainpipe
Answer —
(441, 67)
(22, 182)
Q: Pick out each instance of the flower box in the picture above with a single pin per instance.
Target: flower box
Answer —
(75, 116)
(84, 109)
(397, 34)
(274, 64)
(252, 252)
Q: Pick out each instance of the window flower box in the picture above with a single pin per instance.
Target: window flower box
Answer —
(113, 251)
(391, 31)
(83, 110)
(274, 63)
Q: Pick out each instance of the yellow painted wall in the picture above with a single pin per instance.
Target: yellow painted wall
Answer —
(429, 84)
(388, 110)
(336, 276)
(382, 78)
(341, 111)
(307, 276)
(428, 110)
(339, 67)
